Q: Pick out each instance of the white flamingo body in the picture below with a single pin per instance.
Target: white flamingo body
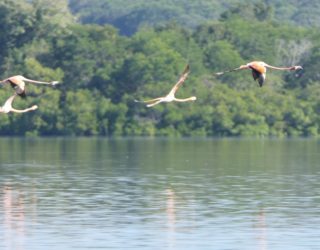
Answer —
(170, 97)
(7, 107)
(18, 83)
(259, 70)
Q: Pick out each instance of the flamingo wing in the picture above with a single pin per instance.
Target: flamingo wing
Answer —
(8, 104)
(258, 76)
(255, 74)
(18, 85)
(182, 78)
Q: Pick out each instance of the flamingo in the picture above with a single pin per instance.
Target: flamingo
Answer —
(7, 107)
(18, 83)
(259, 70)
(171, 95)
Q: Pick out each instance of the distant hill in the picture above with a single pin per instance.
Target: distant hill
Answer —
(128, 16)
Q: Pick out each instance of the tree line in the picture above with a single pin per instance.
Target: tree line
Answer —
(102, 72)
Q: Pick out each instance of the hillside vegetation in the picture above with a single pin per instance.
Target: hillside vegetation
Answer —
(102, 72)
(128, 16)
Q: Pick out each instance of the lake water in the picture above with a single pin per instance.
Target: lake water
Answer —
(159, 194)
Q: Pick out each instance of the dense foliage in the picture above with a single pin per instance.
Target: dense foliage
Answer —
(128, 15)
(102, 73)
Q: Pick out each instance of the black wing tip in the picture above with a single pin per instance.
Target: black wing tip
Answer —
(23, 95)
(186, 69)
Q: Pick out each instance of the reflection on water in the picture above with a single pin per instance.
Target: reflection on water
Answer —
(159, 194)
(13, 209)
(171, 213)
(262, 229)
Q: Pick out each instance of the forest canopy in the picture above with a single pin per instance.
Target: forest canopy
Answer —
(103, 68)
(128, 16)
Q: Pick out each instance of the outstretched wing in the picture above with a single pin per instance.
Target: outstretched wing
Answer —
(258, 76)
(8, 104)
(182, 78)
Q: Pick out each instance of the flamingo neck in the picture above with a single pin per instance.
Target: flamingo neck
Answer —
(192, 98)
(278, 68)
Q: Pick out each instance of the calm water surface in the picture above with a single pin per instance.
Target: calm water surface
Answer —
(159, 194)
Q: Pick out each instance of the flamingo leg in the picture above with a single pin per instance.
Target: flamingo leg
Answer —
(150, 101)
(155, 103)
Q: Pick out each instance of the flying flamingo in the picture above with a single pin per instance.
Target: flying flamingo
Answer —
(259, 70)
(18, 83)
(7, 107)
(171, 96)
